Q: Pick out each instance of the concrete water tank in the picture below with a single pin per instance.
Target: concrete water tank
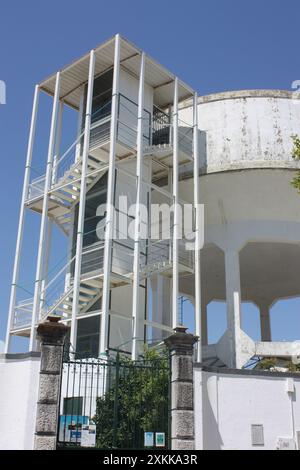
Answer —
(252, 213)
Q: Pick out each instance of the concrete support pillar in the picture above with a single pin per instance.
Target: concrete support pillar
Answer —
(52, 336)
(181, 345)
(265, 323)
(233, 300)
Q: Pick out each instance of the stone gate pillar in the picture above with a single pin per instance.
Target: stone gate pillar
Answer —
(181, 345)
(52, 335)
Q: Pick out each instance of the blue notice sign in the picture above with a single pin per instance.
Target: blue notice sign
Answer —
(148, 439)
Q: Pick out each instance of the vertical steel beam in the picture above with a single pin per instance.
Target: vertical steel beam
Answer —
(41, 248)
(58, 136)
(110, 201)
(136, 320)
(57, 142)
(176, 224)
(46, 264)
(82, 197)
(79, 125)
(197, 229)
(16, 267)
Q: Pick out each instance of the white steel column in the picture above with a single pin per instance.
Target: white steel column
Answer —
(176, 224)
(204, 323)
(82, 197)
(16, 268)
(110, 201)
(136, 320)
(41, 249)
(57, 142)
(50, 222)
(197, 230)
(79, 125)
(46, 263)
(233, 300)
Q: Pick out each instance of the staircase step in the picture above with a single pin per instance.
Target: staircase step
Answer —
(92, 164)
(92, 282)
(69, 190)
(88, 290)
(63, 196)
(82, 298)
(62, 309)
(95, 157)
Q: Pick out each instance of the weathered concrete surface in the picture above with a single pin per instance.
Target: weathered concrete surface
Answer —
(181, 345)
(247, 129)
(52, 336)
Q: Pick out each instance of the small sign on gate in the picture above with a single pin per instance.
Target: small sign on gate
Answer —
(88, 435)
(160, 439)
(148, 439)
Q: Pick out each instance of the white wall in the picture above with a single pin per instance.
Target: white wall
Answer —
(19, 379)
(232, 403)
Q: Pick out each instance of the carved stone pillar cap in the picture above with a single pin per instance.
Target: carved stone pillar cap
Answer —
(180, 340)
(52, 330)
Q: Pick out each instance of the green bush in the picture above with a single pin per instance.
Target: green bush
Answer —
(136, 402)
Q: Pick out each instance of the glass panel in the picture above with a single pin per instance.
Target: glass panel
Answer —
(88, 337)
(73, 406)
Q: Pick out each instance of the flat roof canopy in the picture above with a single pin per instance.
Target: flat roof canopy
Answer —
(74, 75)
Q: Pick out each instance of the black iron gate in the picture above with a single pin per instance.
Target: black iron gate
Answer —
(115, 403)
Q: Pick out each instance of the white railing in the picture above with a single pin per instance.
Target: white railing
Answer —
(158, 252)
(99, 132)
(36, 187)
(58, 285)
(161, 252)
(23, 313)
(69, 157)
(185, 256)
(92, 258)
(155, 133)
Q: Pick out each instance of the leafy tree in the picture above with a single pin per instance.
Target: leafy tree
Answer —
(296, 155)
(136, 402)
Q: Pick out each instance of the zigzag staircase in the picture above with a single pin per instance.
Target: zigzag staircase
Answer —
(66, 182)
(66, 191)
(89, 293)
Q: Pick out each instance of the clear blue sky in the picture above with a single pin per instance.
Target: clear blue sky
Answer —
(214, 45)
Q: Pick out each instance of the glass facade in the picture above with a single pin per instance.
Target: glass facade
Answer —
(92, 258)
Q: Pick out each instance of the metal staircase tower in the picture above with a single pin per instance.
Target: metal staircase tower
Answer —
(134, 133)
